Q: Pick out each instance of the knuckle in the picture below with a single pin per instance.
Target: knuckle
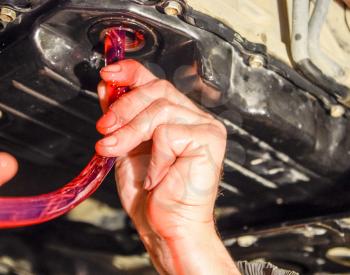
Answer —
(165, 86)
(133, 128)
(139, 68)
(218, 129)
(161, 102)
(209, 116)
(131, 62)
(164, 105)
(122, 101)
(222, 127)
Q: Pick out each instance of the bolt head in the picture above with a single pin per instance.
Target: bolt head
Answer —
(256, 61)
(7, 15)
(173, 8)
(337, 111)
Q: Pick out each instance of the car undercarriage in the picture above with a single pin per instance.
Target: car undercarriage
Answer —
(284, 195)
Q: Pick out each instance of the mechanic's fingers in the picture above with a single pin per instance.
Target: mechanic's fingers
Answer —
(127, 107)
(171, 142)
(8, 167)
(163, 156)
(128, 73)
(141, 128)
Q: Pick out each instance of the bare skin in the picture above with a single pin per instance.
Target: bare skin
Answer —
(171, 155)
(8, 167)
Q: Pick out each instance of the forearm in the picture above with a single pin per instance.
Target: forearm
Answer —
(199, 252)
(202, 253)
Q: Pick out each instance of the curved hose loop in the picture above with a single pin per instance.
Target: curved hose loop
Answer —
(24, 211)
(300, 53)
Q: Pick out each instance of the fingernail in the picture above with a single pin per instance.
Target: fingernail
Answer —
(108, 141)
(115, 68)
(148, 183)
(108, 120)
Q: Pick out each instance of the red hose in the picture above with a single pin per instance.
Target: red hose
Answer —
(24, 211)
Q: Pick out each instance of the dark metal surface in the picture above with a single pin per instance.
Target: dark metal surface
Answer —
(287, 159)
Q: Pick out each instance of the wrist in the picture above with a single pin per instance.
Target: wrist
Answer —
(165, 250)
(201, 251)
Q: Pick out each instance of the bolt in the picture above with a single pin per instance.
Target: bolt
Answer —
(256, 61)
(246, 241)
(7, 15)
(337, 111)
(173, 8)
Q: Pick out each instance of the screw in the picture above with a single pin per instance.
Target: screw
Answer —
(256, 61)
(7, 15)
(337, 111)
(173, 8)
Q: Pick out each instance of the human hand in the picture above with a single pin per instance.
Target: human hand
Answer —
(170, 160)
(8, 167)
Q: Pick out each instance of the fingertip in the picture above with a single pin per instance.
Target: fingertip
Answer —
(108, 146)
(127, 72)
(104, 151)
(108, 141)
(108, 123)
(110, 76)
(111, 72)
(113, 68)
(8, 167)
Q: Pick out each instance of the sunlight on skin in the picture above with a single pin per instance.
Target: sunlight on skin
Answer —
(170, 160)
(8, 167)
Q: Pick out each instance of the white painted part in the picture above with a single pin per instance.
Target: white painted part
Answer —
(258, 161)
(230, 188)
(311, 232)
(263, 145)
(339, 255)
(262, 21)
(131, 262)
(244, 171)
(230, 242)
(99, 214)
(246, 241)
(295, 176)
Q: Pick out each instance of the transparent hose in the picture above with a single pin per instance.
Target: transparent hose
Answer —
(24, 211)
